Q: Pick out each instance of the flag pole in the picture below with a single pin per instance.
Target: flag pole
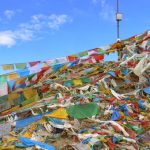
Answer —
(118, 19)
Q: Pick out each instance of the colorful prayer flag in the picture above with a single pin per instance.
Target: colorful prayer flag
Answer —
(8, 67)
(101, 51)
(72, 57)
(21, 66)
(23, 73)
(77, 82)
(12, 76)
(83, 54)
(3, 86)
(34, 63)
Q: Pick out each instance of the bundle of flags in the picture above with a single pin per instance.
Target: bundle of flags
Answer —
(81, 86)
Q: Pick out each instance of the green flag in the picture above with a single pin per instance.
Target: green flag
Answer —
(85, 79)
(83, 54)
(101, 51)
(83, 111)
(3, 79)
(21, 66)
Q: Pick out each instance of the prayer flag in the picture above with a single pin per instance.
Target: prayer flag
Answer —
(8, 67)
(21, 66)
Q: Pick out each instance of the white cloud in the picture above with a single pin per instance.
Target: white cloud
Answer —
(9, 14)
(41, 21)
(23, 34)
(7, 38)
(37, 24)
(56, 21)
(107, 11)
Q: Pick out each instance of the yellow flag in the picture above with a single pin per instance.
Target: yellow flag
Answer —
(8, 147)
(31, 96)
(120, 76)
(60, 113)
(12, 97)
(63, 67)
(12, 76)
(8, 67)
(20, 80)
(77, 82)
(27, 134)
(30, 93)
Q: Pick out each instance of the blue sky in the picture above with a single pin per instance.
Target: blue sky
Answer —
(42, 29)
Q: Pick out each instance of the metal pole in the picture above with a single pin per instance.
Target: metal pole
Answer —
(118, 32)
(118, 21)
(117, 6)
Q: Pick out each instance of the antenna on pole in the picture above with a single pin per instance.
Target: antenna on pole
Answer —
(118, 19)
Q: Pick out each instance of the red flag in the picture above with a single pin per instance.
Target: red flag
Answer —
(110, 144)
(33, 63)
(99, 57)
(72, 57)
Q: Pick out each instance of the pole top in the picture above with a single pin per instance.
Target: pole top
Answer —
(118, 16)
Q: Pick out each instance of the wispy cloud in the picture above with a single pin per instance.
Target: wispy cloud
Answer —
(7, 38)
(9, 14)
(37, 24)
(107, 11)
(41, 21)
